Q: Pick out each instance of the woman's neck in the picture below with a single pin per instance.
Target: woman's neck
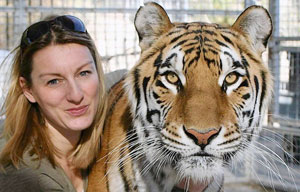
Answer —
(63, 140)
(73, 173)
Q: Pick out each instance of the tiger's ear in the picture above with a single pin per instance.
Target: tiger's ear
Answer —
(255, 22)
(151, 21)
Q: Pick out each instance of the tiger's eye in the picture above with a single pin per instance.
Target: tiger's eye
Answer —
(172, 78)
(231, 78)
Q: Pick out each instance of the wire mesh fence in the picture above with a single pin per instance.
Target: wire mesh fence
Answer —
(110, 23)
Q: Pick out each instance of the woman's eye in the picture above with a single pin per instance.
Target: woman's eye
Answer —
(231, 78)
(53, 82)
(84, 73)
(172, 78)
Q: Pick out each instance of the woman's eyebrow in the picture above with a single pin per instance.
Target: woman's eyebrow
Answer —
(58, 74)
(84, 65)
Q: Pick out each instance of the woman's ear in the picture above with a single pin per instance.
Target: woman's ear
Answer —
(26, 90)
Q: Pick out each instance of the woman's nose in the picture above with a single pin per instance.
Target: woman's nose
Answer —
(74, 92)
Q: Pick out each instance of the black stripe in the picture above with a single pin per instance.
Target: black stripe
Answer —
(263, 89)
(244, 84)
(195, 31)
(176, 38)
(150, 113)
(235, 111)
(237, 64)
(237, 128)
(155, 95)
(180, 43)
(224, 87)
(241, 106)
(229, 141)
(245, 62)
(167, 62)
(221, 43)
(183, 62)
(145, 59)
(246, 113)
(213, 51)
(225, 30)
(207, 39)
(173, 32)
(160, 84)
(137, 88)
(227, 39)
(165, 110)
(198, 52)
(199, 39)
(209, 32)
(190, 44)
(228, 54)
(145, 83)
(189, 50)
(252, 57)
(209, 61)
(246, 96)
(249, 138)
(156, 73)
(256, 95)
(158, 60)
(172, 140)
(191, 62)
(213, 47)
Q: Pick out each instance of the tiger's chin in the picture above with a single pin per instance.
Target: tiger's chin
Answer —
(200, 168)
(195, 173)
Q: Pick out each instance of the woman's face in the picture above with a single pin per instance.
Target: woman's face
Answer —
(65, 85)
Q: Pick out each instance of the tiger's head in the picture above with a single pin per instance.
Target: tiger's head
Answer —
(199, 90)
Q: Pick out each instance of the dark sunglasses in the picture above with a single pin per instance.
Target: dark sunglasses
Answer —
(39, 29)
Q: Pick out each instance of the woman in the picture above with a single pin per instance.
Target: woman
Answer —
(54, 109)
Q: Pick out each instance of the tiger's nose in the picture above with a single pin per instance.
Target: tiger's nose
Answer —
(202, 138)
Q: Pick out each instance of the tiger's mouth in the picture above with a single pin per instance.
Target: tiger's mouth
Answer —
(200, 159)
(192, 186)
(202, 154)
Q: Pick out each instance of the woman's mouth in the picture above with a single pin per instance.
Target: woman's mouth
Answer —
(78, 111)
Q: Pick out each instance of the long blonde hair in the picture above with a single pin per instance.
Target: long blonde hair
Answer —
(24, 126)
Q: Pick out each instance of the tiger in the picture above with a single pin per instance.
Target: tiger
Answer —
(192, 103)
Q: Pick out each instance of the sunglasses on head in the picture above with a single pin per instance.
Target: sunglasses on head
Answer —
(35, 31)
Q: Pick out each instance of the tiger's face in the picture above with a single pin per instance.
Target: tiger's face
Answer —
(199, 91)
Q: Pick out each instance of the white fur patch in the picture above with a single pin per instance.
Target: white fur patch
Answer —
(176, 66)
(227, 65)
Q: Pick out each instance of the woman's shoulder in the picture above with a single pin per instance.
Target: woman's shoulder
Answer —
(33, 175)
(50, 177)
(23, 179)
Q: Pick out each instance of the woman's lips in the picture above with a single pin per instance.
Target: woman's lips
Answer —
(78, 111)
